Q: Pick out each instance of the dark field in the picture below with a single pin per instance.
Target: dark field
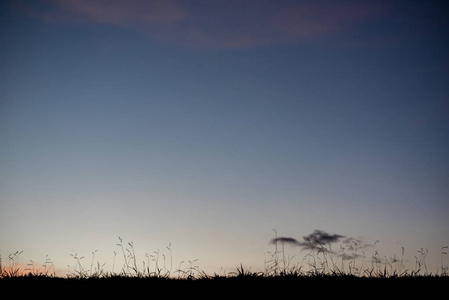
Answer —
(295, 287)
(322, 273)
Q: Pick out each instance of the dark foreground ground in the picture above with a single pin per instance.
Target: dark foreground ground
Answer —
(239, 287)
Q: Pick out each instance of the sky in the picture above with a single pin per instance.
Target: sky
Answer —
(204, 125)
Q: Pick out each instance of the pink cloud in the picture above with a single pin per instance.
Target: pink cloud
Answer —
(246, 24)
(116, 12)
(217, 24)
(302, 21)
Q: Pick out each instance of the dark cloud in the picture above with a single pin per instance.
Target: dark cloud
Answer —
(321, 237)
(321, 240)
(316, 239)
(285, 240)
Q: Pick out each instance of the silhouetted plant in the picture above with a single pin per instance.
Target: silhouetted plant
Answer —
(320, 261)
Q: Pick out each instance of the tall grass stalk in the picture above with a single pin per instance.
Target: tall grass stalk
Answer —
(321, 260)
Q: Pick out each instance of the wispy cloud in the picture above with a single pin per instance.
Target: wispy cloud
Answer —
(117, 12)
(231, 24)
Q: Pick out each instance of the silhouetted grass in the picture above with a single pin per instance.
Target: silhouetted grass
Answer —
(239, 286)
(321, 272)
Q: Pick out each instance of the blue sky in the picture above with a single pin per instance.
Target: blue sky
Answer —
(209, 123)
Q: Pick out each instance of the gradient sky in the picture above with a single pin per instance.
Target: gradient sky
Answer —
(206, 124)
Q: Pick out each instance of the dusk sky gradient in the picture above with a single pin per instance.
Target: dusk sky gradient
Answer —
(207, 124)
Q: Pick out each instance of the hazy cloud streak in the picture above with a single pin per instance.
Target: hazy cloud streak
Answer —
(218, 24)
(132, 13)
